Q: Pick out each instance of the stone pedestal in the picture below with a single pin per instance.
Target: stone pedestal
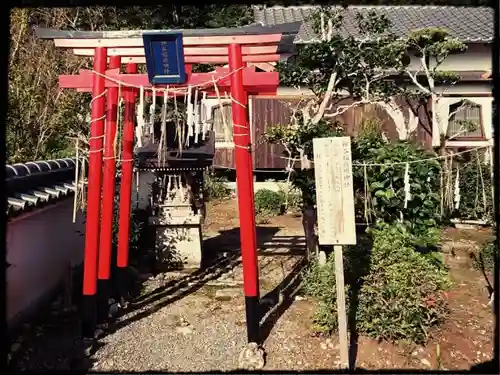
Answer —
(179, 234)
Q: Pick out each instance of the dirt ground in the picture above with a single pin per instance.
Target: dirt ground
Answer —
(196, 322)
(465, 339)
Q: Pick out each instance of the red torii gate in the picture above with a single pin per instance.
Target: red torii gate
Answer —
(252, 44)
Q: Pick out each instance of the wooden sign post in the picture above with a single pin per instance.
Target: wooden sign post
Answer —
(336, 219)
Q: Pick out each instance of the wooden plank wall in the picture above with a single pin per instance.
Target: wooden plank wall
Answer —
(224, 154)
(267, 112)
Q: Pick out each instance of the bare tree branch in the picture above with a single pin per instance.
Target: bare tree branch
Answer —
(326, 99)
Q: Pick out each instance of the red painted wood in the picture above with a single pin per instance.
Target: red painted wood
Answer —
(250, 78)
(108, 182)
(244, 175)
(224, 59)
(94, 179)
(191, 41)
(188, 51)
(127, 165)
(253, 90)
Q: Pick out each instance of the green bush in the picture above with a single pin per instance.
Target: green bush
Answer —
(319, 283)
(485, 260)
(474, 181)
(399, 290)
(136, 227)
(291, 199)
(386, 184)
(269, 202)
(214, 187)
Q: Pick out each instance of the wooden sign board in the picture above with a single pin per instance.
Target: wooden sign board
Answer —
(334, 191)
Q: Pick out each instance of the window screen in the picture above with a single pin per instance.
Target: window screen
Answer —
(459, 113)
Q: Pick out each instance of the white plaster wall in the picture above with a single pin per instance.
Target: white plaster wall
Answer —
(475, 58)
(40, 247)
(466, 89)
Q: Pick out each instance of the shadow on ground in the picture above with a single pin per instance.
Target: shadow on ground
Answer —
(489, 367)
(58, 345)
(53, 341)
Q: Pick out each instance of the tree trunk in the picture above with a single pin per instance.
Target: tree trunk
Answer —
(309, 224)
(445, 173)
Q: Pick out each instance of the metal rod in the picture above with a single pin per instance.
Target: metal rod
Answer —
(94, 179)
(108, 182)
(126, 180)
(244, 181)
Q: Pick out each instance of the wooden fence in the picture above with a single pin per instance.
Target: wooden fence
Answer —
(267, 112)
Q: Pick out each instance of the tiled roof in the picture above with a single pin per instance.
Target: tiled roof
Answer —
(35, 184)
(257, 28)
(469, 24)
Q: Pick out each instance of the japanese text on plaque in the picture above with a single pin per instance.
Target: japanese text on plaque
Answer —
(164, 56)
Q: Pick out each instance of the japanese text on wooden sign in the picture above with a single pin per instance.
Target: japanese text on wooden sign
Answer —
(164, 57)
(334, 191)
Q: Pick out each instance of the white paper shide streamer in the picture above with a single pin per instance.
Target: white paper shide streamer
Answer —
(152, 113)
(407, 185)
(190, 117)
(197, 117)
(204, 116)
(457, 190)
(163, 126)
(140, 118)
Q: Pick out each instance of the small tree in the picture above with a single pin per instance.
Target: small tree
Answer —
(336, 68)
(433, 46)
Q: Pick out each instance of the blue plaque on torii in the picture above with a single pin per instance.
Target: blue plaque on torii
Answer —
(164, 53)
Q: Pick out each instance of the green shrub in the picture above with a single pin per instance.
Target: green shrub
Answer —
(485, 260)
(269, 202)
(474, 181)
(386, 184)
(214, 187)
(136, 227)
(401, 297)
(398, 289)
(291, 198)
(319, 283)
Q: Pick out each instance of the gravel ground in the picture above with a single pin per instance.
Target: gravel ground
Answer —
(188, 335)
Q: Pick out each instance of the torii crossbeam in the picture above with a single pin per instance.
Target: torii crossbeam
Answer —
(110, 50)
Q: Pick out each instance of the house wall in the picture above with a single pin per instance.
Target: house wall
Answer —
(270, 111)
(477, 57)
(267, 111)
(41, 245)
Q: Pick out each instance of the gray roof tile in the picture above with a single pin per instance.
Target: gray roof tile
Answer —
(253, 29)
(469, 24)
(34, 184)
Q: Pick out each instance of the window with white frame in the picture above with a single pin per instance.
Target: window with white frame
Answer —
(462, 116)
